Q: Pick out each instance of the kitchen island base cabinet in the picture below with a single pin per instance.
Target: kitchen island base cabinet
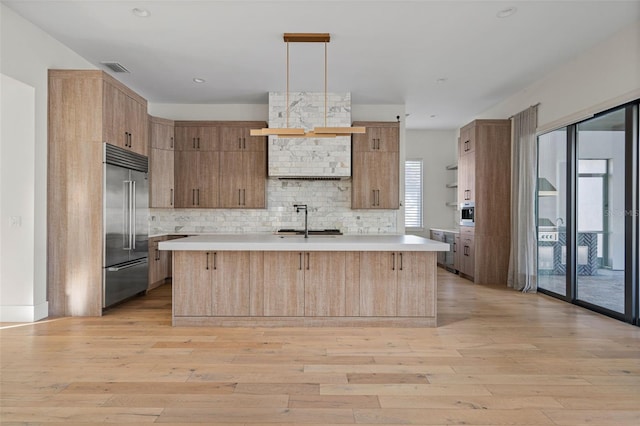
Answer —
(211, 283)
(297, 288)
(395, 284)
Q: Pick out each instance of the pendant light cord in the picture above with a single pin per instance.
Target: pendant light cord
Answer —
(325, 84)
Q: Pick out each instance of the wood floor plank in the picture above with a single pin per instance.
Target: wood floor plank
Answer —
(497, 357)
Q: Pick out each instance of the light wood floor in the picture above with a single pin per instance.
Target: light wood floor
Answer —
(498, 357)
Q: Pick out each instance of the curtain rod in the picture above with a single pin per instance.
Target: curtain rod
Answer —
(534, 105)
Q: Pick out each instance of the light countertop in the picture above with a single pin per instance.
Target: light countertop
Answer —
(450, 230)
(271, 242)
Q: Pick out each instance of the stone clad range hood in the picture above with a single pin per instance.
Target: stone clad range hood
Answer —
(306, 158)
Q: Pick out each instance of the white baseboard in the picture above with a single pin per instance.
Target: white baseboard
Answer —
(24, 313)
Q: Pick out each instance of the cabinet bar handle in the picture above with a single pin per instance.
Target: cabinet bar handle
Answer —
(308, 261)
(171, 199)
(244, 197)
(193, 197)
(198, 192)
(455, 247)
(215, 260)
(239, 143)
(299, 261)
(239, 202)
(244, 143)
(207, 261)
(400, 254)
(171, 142)
(393, 261)
(198, 143)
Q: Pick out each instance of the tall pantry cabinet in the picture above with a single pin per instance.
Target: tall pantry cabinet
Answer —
(86, 108)
(484, 177)
(162, 144)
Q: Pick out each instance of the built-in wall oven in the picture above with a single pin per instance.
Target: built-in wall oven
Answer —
(467, 213)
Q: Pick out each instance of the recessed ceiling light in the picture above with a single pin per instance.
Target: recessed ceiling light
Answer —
(141, 13)
(199, 80)
(505, 13)
(441, 80)
(432, 116)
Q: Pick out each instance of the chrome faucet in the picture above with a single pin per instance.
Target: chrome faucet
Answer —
(299, 208)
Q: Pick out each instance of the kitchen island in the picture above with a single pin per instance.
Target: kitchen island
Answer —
(329, 280)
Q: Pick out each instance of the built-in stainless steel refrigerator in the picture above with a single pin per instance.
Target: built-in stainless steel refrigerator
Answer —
(126, 211)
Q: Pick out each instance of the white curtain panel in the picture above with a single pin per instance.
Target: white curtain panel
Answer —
(523, 253)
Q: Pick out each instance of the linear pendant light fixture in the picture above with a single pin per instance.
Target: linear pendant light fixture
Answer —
(318, 132)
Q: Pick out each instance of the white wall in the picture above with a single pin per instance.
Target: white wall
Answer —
(26, 53)
(437, 149)
(605, 76)
(17, 141)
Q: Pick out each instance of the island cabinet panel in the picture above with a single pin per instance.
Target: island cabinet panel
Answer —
(415, 297)
(230, 283)
(378, 284)
(211, 283)
(192, 293)
(324, 284)
(283, 283)
(397, 284)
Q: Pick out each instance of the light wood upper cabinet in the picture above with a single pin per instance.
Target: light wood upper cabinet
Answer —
(161, 163)
(243, 179)
(196, 179)
(236, 137)
(378, 138)
(161, 132)
(125, 119)
(376, 166)
(161, 177)
(467, 177)
(194, 137)
(375, 181)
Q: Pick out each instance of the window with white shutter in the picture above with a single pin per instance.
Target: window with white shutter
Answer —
(413, 194)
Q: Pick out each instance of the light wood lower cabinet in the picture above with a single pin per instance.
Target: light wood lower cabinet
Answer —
(280, 286)
(397, 284)
(467, 252)
(210, 283)
(159, 263)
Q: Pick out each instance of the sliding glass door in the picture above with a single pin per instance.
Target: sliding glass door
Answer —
(601, 190)
(587, 212)
(552, 211)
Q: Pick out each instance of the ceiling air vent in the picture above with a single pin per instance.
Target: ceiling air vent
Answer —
(115, 66)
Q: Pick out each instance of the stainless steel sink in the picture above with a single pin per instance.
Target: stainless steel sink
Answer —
(314, 232)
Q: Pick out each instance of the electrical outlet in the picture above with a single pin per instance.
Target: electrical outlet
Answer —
(16, 221)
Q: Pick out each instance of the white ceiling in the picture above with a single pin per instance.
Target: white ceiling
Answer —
(383, 52)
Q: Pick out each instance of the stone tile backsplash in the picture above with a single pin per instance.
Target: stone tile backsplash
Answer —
(329, 207)
(305, 156)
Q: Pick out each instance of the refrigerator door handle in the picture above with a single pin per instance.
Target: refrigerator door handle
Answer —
(126, 212)
(127, 266)
(132, 206)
